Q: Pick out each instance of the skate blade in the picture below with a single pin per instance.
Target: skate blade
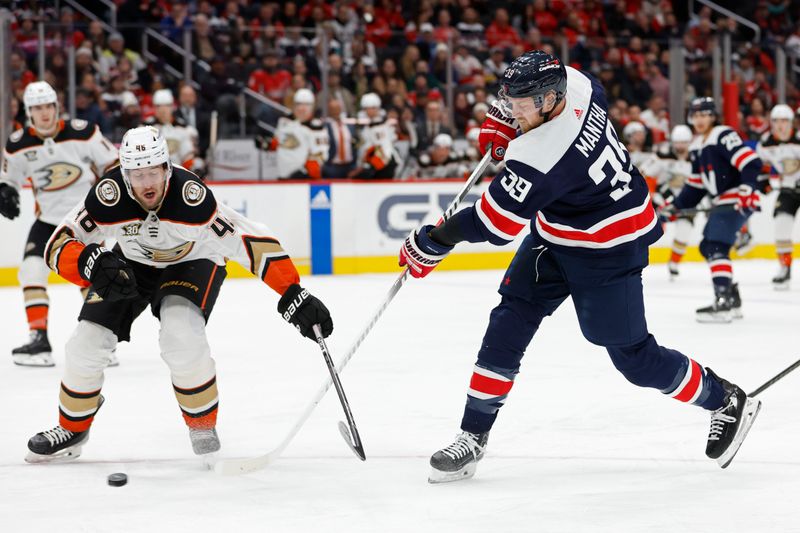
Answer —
(736, 314)
(751, 410)
(781, 286)
(438, 476)
(64, 456)
(39, 359)
(718, 318)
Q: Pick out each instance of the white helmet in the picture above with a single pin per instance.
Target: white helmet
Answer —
(443, 140)
(781, 111)
(143, 147)
(473, 134)
(163, 97)
(631, 128)
(303, 96)
(39, 93)
(681, 134)
(370, 100)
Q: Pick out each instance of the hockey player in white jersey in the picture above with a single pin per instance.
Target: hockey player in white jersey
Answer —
(780, 147)
(62, 159)
(181, 138)
(670, 170)
(173, 240)
(441, 160)
(377, 135)
(301, 141)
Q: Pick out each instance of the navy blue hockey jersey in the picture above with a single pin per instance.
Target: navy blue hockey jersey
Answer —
(720, 163)
(572, 180)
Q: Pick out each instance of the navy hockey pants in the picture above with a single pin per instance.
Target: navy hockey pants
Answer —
(607, 295)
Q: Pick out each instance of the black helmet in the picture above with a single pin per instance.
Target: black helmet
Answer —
(535, 74)
(703, 104)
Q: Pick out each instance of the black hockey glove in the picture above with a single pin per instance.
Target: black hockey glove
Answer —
(302, 310)
(111, 277)
(9, 201)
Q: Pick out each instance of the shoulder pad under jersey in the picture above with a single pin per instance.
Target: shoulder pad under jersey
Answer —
(109, 202)
(315, 124)
(188, 200)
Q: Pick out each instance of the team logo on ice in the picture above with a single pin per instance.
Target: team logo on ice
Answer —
(193, 193)
(59, 176)
(108, 192)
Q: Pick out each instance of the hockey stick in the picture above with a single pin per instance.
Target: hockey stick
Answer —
(774, 380)
(350, 435)
(242, 466)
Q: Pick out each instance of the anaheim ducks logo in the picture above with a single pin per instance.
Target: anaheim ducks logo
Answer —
(59, 176)
(290, 142)
(108, 192)
(166, 256)
(790, 166)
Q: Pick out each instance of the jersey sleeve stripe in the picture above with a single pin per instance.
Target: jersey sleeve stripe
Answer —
(620, 228)
(502, 223)
(743, 156)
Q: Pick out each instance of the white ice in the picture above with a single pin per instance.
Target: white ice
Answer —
(577, 448)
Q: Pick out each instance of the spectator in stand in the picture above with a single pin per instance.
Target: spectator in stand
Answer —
(438, 65)
(294, 43)
(426, 41)
(431, 124)
(471, 30)
(112, 96)
(176, 21)
(444, 32)
(345, 23)
(336, 91)
(84, 63)
(205, 44)
(270, 80)
(543, 18)
(86, 108)
(376, 29)
(659, 83)
(116, 49)
(359, 50)
(220, 91)
(500, 32)
(129, 117)
(342, 156)
(467, 66)
(195, 116)
(495, 65)
(757, 121)
(462, 112)
(656, 120)
(408, 64)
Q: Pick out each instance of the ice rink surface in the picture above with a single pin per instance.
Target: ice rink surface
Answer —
(576, 448)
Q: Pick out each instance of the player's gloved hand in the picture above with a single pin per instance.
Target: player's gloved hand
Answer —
(302, 310)
(421, 253)
(111, 277)
(498, 129)
(9, 201)
(667, 212)
(748, 199)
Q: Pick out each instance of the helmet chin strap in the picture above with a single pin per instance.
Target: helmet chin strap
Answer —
(546, 116)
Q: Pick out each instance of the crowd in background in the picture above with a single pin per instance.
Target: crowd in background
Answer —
(398, 50)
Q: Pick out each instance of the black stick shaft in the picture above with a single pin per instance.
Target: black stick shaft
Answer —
(774, 380)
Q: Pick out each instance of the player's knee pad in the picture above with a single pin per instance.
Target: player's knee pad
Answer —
(712, 250)
(87, 354)
(183, 342)
(33, 272)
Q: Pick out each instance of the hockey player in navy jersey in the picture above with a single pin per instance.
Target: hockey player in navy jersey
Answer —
(727, 170)
(568, 175)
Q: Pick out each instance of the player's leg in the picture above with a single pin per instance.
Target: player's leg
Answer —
(718, 238)
(183, 304)
(683, 231)
(609, 302)
(532, 288)
(33, 274)
(785, 209)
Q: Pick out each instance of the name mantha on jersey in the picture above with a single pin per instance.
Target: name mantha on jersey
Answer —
(784, 156)
(61, 168)
(188, 225)
(573, 179)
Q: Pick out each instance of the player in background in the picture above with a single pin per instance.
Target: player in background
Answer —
(591, 222)
(301, 141)
(635, 136)
(726, 170)
(62, 159)
(670, 170)
(181, 138)
(780, 147)
(376, 153)
(441, 160)
(173, 239)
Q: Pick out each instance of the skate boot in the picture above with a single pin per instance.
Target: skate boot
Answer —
(459, 460)
(781, 281)
(204, 441)
(744, 242)
(736, 302)
(36, 353)
(57, 445)
(730, 423)
(721, 310)
(672, 266)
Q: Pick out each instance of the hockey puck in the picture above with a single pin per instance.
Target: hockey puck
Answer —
(117, 480)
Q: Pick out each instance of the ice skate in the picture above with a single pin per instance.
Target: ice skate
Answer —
(736, 302)
(36, 352)
(744, 242)
(458, 460)
(672, 267)
(56, 445)
(730, 423)
(204, 441)
(781, 280)
(721, 311)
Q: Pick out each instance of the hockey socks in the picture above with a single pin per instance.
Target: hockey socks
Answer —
(199, 405)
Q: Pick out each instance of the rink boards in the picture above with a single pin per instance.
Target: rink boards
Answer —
(346, 227)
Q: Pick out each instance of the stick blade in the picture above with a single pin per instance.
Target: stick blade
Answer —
(353, 444)
(233, 467)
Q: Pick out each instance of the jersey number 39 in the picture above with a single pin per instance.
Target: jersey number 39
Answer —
(617, 157)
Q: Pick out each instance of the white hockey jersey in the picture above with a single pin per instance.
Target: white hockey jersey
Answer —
(376, 140)
(181, 141)
(783, 155)
(188, 225)
(302, 147)
(62, 168)
(669, 170)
